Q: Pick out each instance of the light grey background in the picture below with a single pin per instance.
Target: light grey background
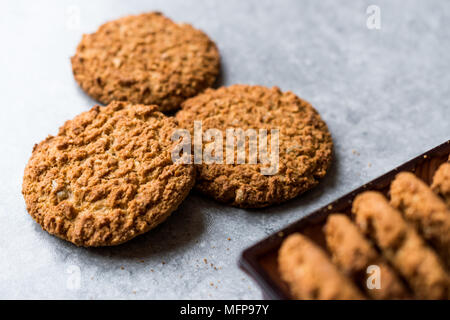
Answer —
(384, 93)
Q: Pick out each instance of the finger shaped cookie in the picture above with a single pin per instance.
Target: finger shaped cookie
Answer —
(107, 176)
(401, 245)
(441, 182)
(354, 254)
(298, 144)
(310, 274)
(146, 59)
(420, 205)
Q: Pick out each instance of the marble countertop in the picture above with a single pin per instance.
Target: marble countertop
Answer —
(384, 93)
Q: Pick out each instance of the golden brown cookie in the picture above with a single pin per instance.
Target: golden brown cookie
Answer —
(146, 59)
(310, 274)
(441, 182)
(354, 254)
(305, 144)
(401, 245)
(107, 176)
(420, 205)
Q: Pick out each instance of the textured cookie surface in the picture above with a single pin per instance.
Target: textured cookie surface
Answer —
(401, 245)
(310, 274)
(107, 176)
(441, 182)
(422, 207)
(305, 144)
(145, 59)
(354, 254)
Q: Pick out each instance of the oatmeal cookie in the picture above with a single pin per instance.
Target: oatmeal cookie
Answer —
(401, 245)
(420, 205)
(353, 254)
(305, 144)
(146, 59)
(310, 274)
(107, 176)
(441, 182)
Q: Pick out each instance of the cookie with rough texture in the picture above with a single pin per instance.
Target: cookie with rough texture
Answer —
(310, 274)
(146, 59)
(421, 206)
(107, 176)
(441, 182)
(401, 245)
(354, 254)
(305, 144)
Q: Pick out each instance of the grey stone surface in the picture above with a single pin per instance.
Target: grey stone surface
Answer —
(384, 93)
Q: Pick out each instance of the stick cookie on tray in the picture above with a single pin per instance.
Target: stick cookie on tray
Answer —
(421, 206)
(310, 273)
(354, 254)
(441, 182)
(401, 244)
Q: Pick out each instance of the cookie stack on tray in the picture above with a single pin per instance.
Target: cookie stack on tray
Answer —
(109, 174)
(393, 249)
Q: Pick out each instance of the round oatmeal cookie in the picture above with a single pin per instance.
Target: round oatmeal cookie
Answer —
(305, 144)
(146, 59)
(107, 176)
